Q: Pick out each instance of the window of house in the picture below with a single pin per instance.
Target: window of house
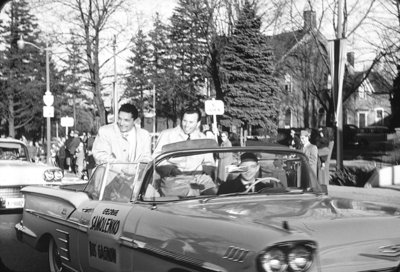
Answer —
(379, 115)
(362, 119)
(288, 118)
(361, 93)
(288, 83)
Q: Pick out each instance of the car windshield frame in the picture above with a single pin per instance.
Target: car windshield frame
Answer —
(314, 186)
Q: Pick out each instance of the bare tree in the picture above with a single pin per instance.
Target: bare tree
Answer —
(93, 25)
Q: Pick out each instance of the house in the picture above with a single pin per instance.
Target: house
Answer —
(302, 64)
(366, 97)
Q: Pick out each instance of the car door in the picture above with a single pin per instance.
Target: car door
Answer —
(103, 220)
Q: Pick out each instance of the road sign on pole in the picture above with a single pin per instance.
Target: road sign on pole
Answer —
(67, 122)
(48, 111)
(214, 107)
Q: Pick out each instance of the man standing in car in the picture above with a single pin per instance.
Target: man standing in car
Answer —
(189, 129)
(123, 141)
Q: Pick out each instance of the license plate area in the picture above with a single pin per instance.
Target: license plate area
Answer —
(12, 203)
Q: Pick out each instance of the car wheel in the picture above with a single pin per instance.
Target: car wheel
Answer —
(54, 257)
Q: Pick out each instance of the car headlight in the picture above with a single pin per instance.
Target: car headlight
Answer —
(300, 258)
(288, 257)
(274, 260)
(53, 175)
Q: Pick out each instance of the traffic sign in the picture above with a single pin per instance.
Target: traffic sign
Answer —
(67, 121)
(48, 99)
(48, 111)
(214, 107)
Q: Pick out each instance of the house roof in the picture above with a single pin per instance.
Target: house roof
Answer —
(284, 44)
(378, 83)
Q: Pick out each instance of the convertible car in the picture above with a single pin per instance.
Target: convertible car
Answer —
(262, 211)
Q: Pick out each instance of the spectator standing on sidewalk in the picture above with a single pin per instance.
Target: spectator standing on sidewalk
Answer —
(294, 140)
(61, 154)
(225, 158)
(80, 159)
(91, 163)
(72, 146)
(310, 150)
(32, 151)
(123, 141)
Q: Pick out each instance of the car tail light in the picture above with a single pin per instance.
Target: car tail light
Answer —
(53, 175)
(287, 257)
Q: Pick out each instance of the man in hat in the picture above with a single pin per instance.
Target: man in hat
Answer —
(249, 170)
(310, 150)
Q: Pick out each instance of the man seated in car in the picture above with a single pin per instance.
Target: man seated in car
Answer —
(249, 170)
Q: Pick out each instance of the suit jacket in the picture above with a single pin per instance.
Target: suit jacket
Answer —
(110, 146)
(311, 152)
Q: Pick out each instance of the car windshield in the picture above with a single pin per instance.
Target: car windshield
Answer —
(115, 181)
(12, 151)
(220, 173)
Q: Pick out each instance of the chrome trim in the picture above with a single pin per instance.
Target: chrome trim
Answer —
(60, 221)
(69, 267)
(236, 254)
(65, 246)
(139, 245)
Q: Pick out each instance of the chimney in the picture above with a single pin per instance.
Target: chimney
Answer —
(350, 58)
(310, 19)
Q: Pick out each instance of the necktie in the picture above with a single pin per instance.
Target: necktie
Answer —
(188, 138)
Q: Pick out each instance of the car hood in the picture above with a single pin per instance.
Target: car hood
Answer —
(345, 230)
(15, 172)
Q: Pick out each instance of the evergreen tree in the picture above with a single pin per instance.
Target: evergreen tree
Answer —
(189, 42)
(23, 72)
(138, 79)
(163, 74)
(250, 90)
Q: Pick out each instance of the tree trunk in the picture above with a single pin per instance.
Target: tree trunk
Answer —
(11, 119)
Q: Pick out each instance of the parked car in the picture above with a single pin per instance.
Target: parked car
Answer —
(160, 217)
(17, 170)
(373, 135)
(350, 135)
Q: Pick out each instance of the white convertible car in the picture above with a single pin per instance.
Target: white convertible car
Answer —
(174, 215)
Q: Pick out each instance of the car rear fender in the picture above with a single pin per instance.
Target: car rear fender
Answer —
(53, 202)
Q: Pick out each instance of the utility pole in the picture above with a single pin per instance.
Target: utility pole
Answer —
(115, 96)
(339, 53)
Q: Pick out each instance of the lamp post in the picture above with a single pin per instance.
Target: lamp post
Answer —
(48, 98)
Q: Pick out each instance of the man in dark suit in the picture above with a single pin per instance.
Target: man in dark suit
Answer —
(249, 170)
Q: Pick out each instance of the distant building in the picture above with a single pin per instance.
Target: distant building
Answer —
(302, 65)
(370, 103)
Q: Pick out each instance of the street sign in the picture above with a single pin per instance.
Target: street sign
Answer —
(48, 99)
(67, 121)
(48, 111)
(214, 107)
